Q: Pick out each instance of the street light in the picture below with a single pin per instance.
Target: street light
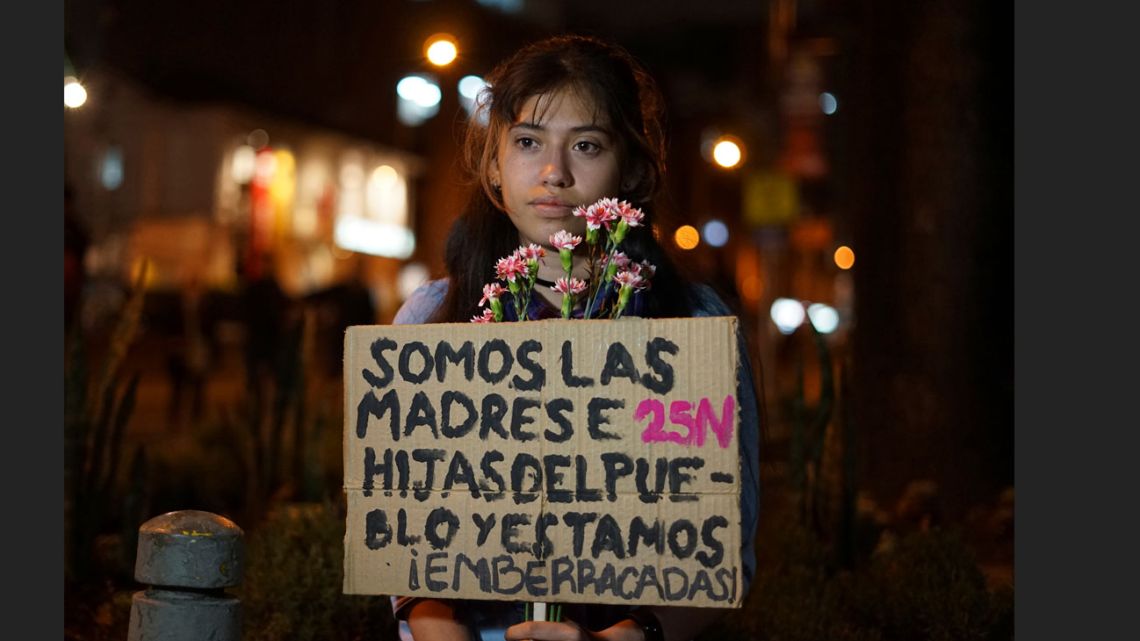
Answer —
(441, 49)
(74, 95)
(844, 257)
(789, 313)
(419, 98)
(686, 237)
(728, 152)
(471, 89)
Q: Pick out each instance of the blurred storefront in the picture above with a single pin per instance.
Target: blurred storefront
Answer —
(216, 193)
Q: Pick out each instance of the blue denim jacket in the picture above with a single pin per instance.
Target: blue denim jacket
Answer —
(490, 618)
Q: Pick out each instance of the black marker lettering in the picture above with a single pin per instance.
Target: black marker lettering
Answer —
(440, 516)
(499, 346)
(445, 353)
(682, 550)
(653, 350)
(447, 427)
(519, 418)
(556, 410)
(377, 530)
(595, 418)
(378, 347)
(370, 406)
(537, 374)
(431, 568)
(494, 409)
(710, 540)
(619, 364)
(568, 376)
(421, 413)
(484, 525)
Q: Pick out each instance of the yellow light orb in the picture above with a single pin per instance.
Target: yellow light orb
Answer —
(441, 50)
(686, 237)
(727, 153)
(844, 257)
(74, 95)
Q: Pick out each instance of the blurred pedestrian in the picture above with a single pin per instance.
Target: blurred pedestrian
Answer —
(354, 305)
(264, 306)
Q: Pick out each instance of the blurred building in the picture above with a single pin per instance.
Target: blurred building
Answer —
(209, 190)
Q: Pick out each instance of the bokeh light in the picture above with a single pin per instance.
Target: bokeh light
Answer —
(419, 99)
(441, 49)
(470, 86)
(385, 176)
(469, 89)
(844, 257)
(111, 169)
(242, 164)
(727, 153)
(686, 237)
(411, 276)
(787, 314)
(419, 90)
(827, 103)
(823, 317)
(74, 95)
(715, 233)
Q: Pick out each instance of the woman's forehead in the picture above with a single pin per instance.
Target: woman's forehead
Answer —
(575, 101)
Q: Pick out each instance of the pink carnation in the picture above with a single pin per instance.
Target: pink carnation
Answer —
(630, 279)
(511, 267)
(491, 291)
(632, 216)
(619, 258)
(601, 214)
(563, 239)
(531, 252)
(569, 286)
(488, 316)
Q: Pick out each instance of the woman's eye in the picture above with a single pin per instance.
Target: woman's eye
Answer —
(587, 146)
(526, 142)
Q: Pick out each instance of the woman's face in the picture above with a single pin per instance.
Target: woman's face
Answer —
(553, 158)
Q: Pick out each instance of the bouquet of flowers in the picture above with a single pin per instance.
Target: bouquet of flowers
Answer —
(612, 277)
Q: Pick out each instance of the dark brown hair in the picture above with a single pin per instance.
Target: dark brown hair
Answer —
(626, 97)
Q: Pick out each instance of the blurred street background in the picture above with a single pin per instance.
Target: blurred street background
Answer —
(245, 179)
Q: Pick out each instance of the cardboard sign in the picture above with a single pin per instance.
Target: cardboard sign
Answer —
(560, 461)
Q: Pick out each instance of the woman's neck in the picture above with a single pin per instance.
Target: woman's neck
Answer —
(550, 270)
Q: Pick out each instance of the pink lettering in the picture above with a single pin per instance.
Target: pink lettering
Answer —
(721, 427)
(681, 415)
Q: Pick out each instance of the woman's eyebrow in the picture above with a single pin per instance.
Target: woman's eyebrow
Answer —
(578, 129)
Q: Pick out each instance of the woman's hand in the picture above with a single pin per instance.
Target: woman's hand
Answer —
(432, 620)
(624, 630)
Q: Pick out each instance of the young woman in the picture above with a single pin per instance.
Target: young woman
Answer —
(569, 120)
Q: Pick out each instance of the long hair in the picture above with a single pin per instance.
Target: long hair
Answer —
(626, 96)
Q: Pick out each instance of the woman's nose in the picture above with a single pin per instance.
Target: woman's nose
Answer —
(555, 173)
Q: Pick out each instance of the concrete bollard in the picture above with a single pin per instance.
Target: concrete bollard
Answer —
(188, 558)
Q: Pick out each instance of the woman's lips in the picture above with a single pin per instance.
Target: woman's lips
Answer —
(552, 208)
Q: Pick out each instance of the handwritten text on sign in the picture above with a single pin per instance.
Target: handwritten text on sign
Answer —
(588, 461)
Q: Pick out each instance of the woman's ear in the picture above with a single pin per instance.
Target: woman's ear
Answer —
(493, 174)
